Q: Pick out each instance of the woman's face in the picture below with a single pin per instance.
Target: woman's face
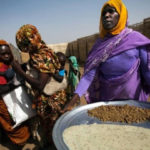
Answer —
(32, 44)
(5, 54)
(110, 17)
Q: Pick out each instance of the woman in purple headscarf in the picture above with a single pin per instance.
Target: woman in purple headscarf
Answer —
(118, 66)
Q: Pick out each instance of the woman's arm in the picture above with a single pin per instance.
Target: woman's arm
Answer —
(38, 84)
(69, 106)
(82, 87)
(60, 75)
(57, 77)
(85, 82)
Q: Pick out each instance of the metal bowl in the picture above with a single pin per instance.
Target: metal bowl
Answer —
(80, 116)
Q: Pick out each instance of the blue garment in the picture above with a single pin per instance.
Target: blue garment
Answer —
(9, 73)
(62, 72)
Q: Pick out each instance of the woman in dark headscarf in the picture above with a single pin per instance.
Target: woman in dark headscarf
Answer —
(118, 66)
(20, 134)
(46, 63)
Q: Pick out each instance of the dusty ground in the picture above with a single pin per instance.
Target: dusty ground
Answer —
(5, 143)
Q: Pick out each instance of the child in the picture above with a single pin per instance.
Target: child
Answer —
(74, 74)
(20, 134)
(6, 72)
(62, 72)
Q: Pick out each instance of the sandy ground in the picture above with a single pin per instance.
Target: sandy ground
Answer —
(5, 143)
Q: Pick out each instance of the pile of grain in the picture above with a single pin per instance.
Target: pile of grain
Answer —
(124, 113)
(106, 137)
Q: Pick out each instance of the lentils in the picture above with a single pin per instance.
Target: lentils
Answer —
(123, 113)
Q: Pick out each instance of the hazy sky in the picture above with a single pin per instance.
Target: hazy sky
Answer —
(61, 21)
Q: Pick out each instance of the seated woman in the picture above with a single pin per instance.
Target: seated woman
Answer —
(20, 134)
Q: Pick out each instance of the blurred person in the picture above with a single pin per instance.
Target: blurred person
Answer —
(74, 74)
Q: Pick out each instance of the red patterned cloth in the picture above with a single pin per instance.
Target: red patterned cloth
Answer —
(3, 68)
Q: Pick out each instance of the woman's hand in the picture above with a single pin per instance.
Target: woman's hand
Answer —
(71, 104)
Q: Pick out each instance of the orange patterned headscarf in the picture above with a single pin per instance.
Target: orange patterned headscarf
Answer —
(3, 42)
(44, 59)
(122, 11)
(25, 34)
